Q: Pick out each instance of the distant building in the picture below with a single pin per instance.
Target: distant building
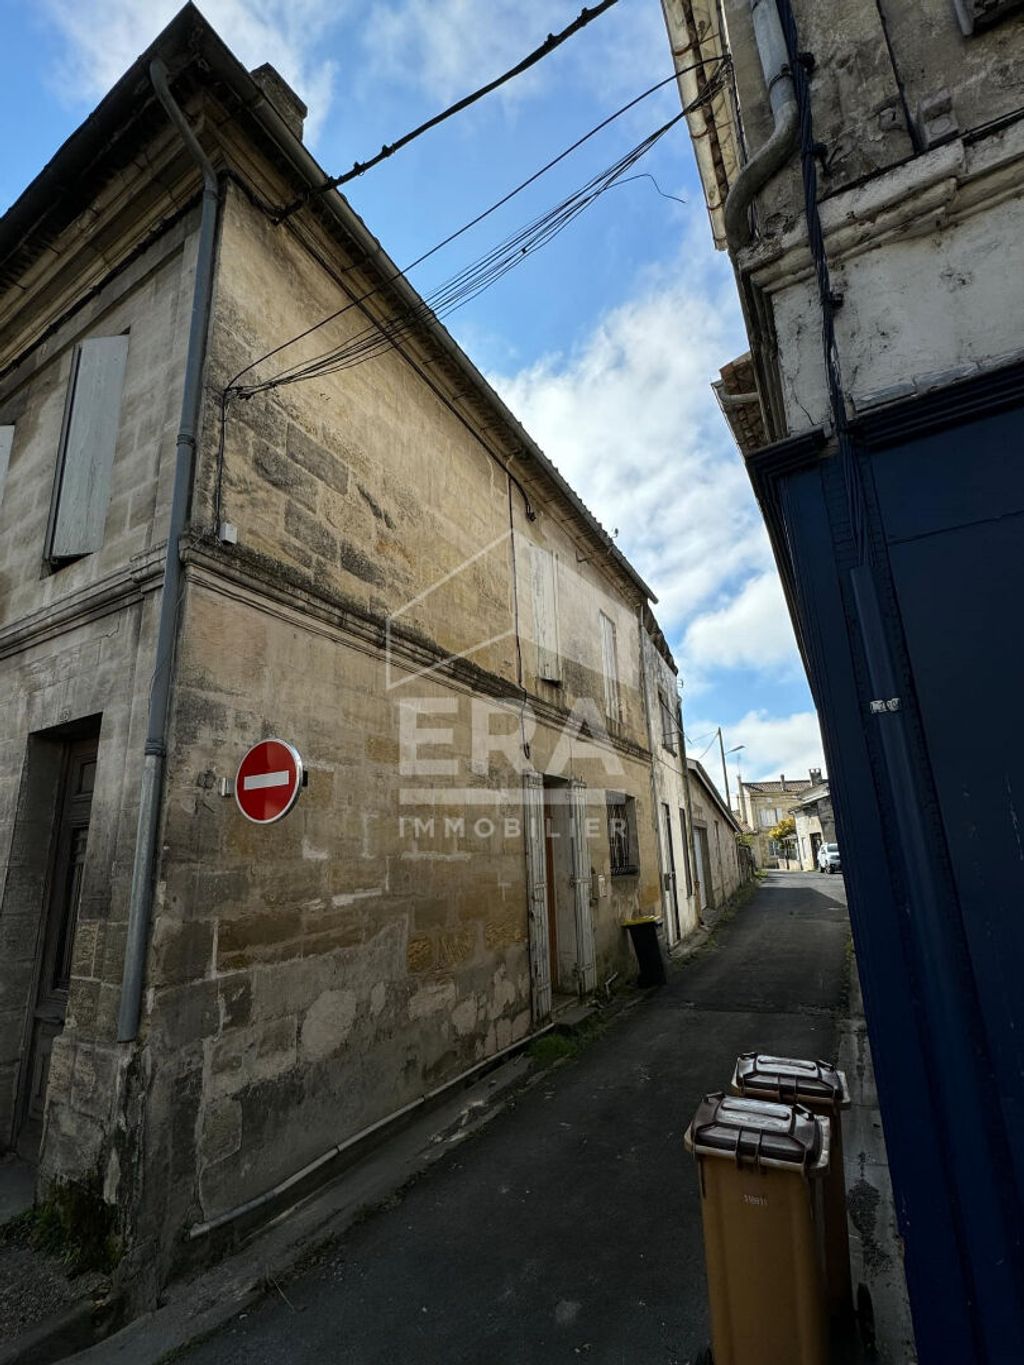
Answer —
(815, 824)
(764, 804)
(717, 863)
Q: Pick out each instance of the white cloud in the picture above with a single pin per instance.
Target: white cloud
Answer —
(629, 418)
(751, 630)
(449, 47)
(103, 37)
(773, 745)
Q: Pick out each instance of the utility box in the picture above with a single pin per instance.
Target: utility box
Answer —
(761, 1167)
(822, 1089)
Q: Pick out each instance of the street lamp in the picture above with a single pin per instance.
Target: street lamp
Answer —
(725, 770)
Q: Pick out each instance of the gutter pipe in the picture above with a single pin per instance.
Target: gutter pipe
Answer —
(769, 159)
(140, 906)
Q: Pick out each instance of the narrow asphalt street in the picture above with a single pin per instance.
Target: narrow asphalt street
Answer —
(569, 1228)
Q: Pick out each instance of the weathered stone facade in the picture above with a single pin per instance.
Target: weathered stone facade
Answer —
(815, 824)
(764, 804)
(376, 604)
(718, 868)
(919, 188)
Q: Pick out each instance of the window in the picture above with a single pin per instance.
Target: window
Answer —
(6, 441)
(81, 490)
(545, 613)
(610, 667)
(622, 834)
(668, 723)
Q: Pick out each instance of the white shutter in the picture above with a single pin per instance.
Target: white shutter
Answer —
(610, 667)
(6, 441)
(537, 894)
(545, 613)
(87, 456)
(586, 955)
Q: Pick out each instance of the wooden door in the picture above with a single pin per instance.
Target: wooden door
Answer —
(586, 956)
(669, 873)
(537, 885)
(64, 892)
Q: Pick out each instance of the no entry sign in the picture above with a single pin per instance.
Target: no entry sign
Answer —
(269, 781)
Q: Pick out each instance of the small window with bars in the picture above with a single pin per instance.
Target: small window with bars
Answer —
(622, 834)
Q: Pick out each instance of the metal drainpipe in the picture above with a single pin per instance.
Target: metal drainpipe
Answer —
(691, 837)
(769, 159)
(141, 901)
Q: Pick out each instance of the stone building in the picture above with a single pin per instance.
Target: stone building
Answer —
(670, 791)
(764, 804)
(376, 565)
(863, 164)
(815, 824)
(718, 869)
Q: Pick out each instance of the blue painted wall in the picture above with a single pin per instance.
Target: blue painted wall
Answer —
(929, 804)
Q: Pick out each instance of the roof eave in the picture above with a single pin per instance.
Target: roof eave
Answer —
(191, 37)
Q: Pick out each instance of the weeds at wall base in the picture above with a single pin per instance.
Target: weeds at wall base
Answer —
(73, 1225)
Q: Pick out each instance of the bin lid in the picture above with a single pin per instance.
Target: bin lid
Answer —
(789, 1079)
(641, 919)
(759, 1133)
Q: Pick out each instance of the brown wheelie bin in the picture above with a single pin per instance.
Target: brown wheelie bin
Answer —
(760, 1167)
(823, 1090)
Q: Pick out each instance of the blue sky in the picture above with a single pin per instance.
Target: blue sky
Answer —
(604, 343)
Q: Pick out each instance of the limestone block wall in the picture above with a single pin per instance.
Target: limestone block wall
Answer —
(76, 654)
(308, 978)
(669, 789)
(371, 486)
(151, 301)
(726, 871)
(919, 194)
(875, 65)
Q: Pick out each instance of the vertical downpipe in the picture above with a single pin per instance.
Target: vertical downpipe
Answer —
(140, 905)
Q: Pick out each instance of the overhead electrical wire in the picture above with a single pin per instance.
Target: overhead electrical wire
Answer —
(704, 751)
(234, 389)
(721, 63)
(473, 279)
(379, 336)
(550, 43)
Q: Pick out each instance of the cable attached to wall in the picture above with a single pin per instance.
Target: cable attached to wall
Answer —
(801, 64)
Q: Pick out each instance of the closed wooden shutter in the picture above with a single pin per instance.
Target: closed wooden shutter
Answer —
(545, 613)
(537, 893)
(586, 953)
(610, 668)
(87, 454)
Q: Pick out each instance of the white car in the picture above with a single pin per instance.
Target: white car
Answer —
(828, 858)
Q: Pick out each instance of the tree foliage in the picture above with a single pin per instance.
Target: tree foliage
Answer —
(784, 830)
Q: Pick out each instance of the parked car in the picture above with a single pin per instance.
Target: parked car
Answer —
(828, 858)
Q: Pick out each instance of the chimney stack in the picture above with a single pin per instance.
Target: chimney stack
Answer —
(815, 777)
(280, 94)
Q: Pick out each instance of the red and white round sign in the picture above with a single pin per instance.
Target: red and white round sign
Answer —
(268, 781)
